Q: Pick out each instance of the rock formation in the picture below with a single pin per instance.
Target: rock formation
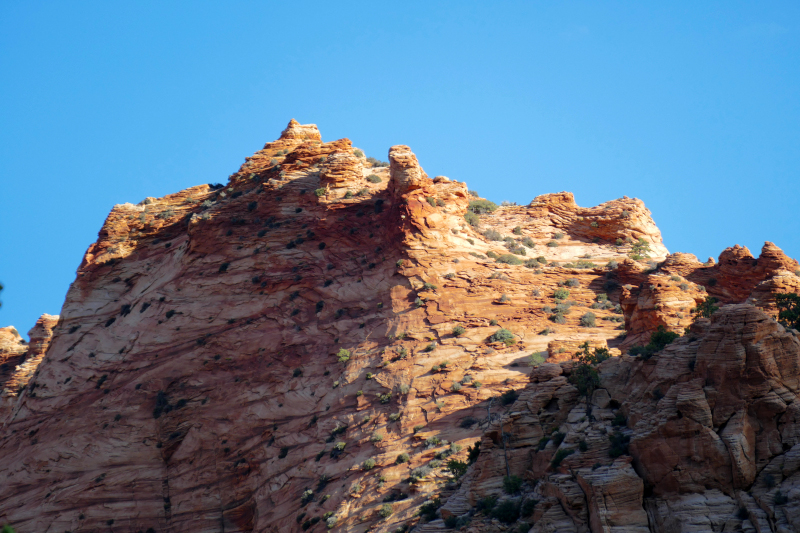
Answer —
(308, 345)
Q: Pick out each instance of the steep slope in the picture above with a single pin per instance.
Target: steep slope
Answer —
(259, 356)
(703, 437)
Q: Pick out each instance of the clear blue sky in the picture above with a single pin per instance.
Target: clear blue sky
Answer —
(693, 107)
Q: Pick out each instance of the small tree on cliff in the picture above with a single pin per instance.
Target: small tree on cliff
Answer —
(788, 310)
(707, 308)
(640, 250)
(658, 340)
(584, 376)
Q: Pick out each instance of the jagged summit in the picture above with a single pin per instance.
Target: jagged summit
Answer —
(307, 346)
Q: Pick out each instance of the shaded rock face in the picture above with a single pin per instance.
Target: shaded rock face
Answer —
(709, 430)
(19, 360)
(255, 356)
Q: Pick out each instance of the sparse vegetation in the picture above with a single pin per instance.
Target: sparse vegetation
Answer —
(503, 335)
(537, 358)
(588, 320)
(509, 259)
(480, 206)
(640, 250)
(658, 341)
(512, 484)
(788, 309)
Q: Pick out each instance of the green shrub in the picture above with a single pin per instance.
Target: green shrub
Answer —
(561, 294)
(420, 473)
(433, 441)
(343, 355)
(619, 420)
(512, 484)
(707, 308)
(509, 397)
(403, 458)
(507, 511)
(588, 320)
(537, 358)
(369, 464)
(472, 219)
(493, 235)
(376, 437)
(487, 503)
(582, 446)
(428, 509)
(503, 335)
(376, 162)
(640, 250)
(552, 244)
(386, 510)
(429, 286)
(348, 194)
(780, 498)
(619, 444)
(788, 309)
(457, 468)
(517, 230)
(558, 235)
(659, 339)
(528, 507)
(458, 331)
(374, 178)
(481, 206)
(561, 454)
(509, 259)
(320, 192)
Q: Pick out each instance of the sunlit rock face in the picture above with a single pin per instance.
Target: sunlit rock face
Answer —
(307, 346)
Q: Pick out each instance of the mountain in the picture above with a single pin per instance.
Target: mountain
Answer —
(328, 341)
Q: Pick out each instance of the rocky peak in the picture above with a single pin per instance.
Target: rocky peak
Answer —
(311, 342)
(405, 173)
(303, 132)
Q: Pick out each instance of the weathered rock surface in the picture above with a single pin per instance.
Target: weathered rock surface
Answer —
(705, 431)
(19, 360)
(256, 356)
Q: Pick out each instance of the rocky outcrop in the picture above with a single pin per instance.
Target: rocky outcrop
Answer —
(19, 360)
(314, 340)
(405, 173)
(697, 438)
(667, 294)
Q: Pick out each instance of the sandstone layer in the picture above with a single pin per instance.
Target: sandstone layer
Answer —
(306, 346)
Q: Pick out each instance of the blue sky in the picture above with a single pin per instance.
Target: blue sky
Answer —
(693, 107)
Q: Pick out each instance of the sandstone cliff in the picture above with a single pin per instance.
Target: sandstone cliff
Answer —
(307, 346)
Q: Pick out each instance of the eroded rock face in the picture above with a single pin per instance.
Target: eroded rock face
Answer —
(666, 294)
(19, 360)
(218, 345)
(704, 433)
